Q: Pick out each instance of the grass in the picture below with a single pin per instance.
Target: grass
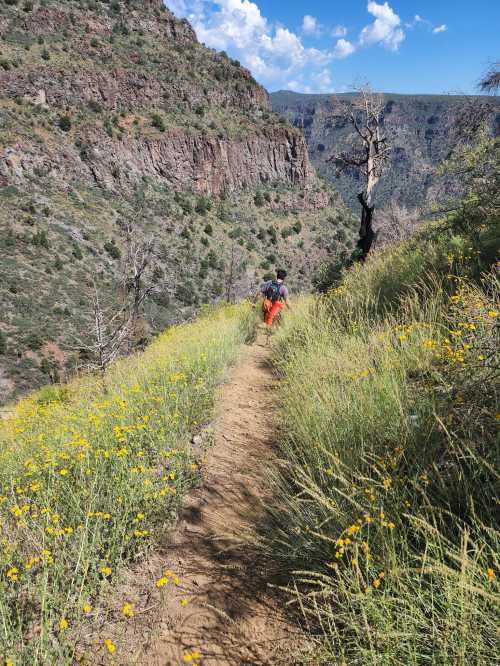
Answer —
(387, 514)
(91, 472)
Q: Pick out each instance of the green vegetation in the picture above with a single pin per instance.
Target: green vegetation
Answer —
(386, 520)
(90, 473)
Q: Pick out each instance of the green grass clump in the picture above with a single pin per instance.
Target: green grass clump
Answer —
(92, 472)
(387, 512)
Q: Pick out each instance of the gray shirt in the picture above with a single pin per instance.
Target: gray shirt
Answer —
(283, 289)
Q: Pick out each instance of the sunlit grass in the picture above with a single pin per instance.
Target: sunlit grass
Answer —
(387, 513)
(91, 472)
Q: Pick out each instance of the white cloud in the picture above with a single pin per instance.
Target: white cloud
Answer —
(425, 23)
(275, 54)
(386, 29)
(343, 48)
(339, 31)
(310, 25)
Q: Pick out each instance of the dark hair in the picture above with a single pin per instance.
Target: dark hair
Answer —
(281, 274)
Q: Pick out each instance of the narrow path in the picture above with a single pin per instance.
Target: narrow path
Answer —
(231, 617)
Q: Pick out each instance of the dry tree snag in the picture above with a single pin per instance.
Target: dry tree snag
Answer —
(138, 278)
(490, 82)
(367, 155)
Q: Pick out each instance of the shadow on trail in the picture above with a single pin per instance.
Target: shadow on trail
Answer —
(232, 615)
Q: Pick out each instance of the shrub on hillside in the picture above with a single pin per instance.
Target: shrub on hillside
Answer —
(3, 342)
(258, 199)
(158, 122)
(64, 123)
(112, 249)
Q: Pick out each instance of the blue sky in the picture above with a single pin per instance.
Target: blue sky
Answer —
(405, 46)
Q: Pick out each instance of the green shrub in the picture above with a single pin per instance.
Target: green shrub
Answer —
(64, 123)
(258, 199)
(34, 341)
(3, 342)
(203, 205)
(158, 122)
(77, 252)
(112, 249)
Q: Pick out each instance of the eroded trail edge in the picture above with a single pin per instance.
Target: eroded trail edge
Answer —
(223, 607)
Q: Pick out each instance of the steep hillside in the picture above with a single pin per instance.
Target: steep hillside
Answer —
(113, 116)
(419, 127)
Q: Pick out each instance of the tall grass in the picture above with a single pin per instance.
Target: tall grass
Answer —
(91, 472)
(387, 516)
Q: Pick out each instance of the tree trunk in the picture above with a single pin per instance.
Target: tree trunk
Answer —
(366, 233)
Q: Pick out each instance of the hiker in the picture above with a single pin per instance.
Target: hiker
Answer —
(275, 294)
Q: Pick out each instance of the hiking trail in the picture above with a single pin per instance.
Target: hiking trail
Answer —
(232, 617)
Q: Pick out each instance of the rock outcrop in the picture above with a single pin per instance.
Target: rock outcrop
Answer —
(108, 73)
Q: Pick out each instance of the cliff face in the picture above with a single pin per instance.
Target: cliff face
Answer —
(114, 118)
(142, 96)
(419, 127)
(209, 165)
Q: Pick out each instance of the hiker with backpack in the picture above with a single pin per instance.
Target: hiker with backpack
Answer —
(275, 294)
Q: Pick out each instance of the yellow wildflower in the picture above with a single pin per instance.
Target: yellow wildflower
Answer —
(128, 610)
(490, 573)
(161, 582)
(493, 313)
(13, 573)
(63, 624)
(87, 608)
(376, 583)
(111, 647)
(184, 602)
(106, 571)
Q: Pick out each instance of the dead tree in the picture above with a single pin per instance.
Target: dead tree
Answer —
(490, 82)
(110, 330)
(367, 155)
(138, 278)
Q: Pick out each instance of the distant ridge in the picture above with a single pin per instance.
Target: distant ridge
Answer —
(420, 128)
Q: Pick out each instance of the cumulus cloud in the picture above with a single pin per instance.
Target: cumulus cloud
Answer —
(386, 29)
(310, 25)
(339, 31)
(420, 21)
(276, 55)
(343, 48)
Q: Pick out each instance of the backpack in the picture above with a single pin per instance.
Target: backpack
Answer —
(273, 291)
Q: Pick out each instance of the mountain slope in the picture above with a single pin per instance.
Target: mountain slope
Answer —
(113, 117)
(419, 127)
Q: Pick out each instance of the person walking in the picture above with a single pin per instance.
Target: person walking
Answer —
(276, 296)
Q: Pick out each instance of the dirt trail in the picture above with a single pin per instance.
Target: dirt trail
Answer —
(231, 617)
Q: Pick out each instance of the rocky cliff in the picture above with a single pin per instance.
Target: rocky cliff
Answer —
(114, 118)
(419, 127)
(130, 84)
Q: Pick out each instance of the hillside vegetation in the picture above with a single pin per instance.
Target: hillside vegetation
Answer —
(388, 507)
(90, 473)
(116, 122)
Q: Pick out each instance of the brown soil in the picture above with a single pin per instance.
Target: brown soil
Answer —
(232, 616)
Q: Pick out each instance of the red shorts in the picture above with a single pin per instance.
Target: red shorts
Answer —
(270, 310)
